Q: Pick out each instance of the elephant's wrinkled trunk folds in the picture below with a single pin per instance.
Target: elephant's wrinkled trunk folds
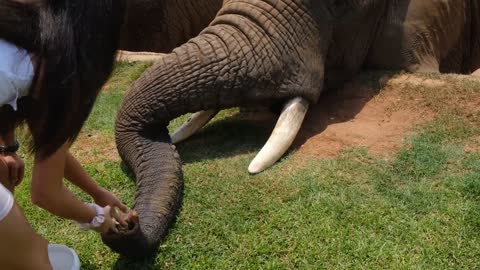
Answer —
(157, 168)
(248, 55)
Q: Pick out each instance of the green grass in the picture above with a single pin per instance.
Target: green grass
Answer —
(103, 115)
(418, 209)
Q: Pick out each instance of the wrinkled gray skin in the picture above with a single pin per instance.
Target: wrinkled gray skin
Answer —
(265, 52)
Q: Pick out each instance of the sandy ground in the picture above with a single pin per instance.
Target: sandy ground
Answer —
(138, 56)
(357, 116)
(476, 73)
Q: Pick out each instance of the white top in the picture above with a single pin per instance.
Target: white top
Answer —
(16, 73)
(6, 202)
(63, 258)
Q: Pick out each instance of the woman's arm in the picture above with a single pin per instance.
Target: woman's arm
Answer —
(50, 193)
(12, 165)
(77, 175)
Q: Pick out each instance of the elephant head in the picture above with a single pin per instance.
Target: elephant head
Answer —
(255, 52)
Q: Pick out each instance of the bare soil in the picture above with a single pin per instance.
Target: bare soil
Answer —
(138, 56)
(476, 73)
(473, 146)
(360, 115)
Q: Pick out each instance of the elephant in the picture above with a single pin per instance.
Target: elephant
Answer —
(160, 26)
(271, 52)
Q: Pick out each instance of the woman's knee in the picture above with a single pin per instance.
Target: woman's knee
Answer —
(21, 247)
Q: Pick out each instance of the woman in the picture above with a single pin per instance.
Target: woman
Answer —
(54, 57)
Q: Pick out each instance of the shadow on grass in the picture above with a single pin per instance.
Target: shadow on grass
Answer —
(145, 264)
(242, 133)
(127, 171)
(226, 138)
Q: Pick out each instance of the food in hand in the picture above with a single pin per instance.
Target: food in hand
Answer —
(131, 218)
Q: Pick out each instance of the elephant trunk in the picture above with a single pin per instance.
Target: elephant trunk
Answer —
(157, 168)
(245, 57)
(162, 93)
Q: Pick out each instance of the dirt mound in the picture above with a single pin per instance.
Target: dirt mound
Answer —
(476, 73)
(371, 114)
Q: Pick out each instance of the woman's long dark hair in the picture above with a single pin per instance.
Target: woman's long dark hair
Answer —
(75, 42)
(19, 24)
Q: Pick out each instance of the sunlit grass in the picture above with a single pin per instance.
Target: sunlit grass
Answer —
(418, 209)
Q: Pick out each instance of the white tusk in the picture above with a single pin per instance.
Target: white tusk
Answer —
(194, 123)
(283, 134)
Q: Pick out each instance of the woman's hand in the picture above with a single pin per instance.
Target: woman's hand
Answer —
(108, 224)
(102, 222)
(12, 168)
(104, 198)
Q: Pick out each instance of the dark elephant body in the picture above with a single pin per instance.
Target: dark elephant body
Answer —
(429, 36)
(264, 52)
(412, 35)
(160, 26)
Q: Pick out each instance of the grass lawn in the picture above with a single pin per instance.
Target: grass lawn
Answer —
(418, 208)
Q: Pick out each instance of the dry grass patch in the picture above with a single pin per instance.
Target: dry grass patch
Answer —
(95, 147)
(473, 145)
(451, 94)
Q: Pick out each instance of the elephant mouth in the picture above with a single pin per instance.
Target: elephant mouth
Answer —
(132, 225)
(132, 228)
